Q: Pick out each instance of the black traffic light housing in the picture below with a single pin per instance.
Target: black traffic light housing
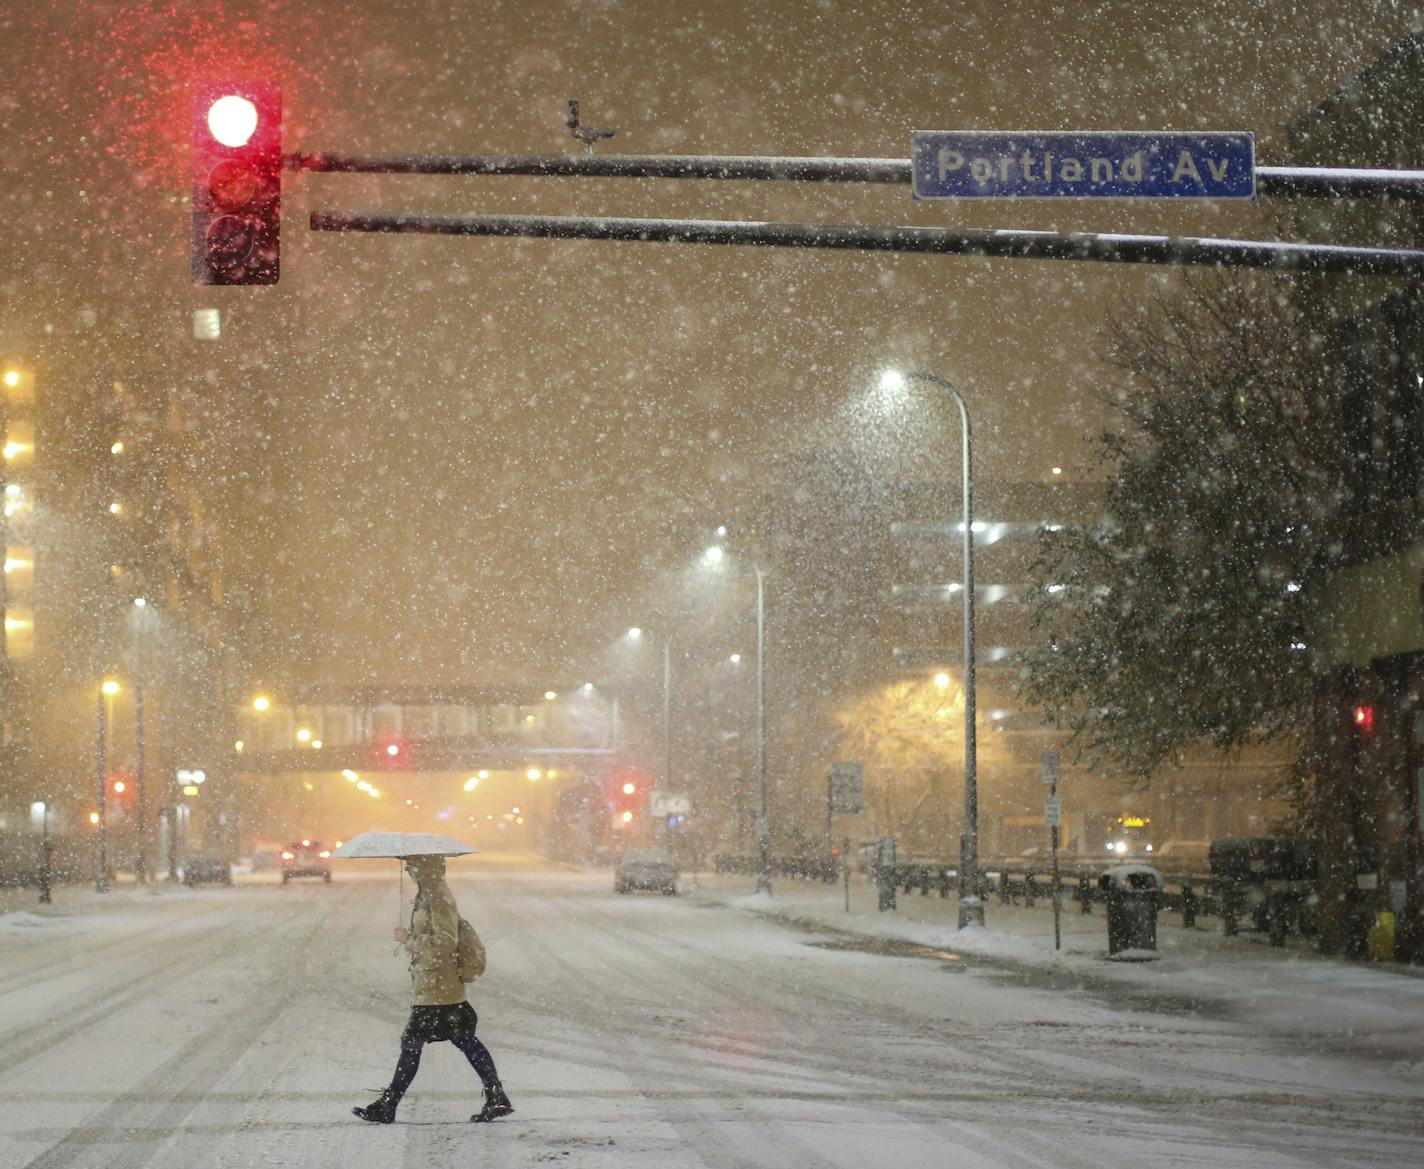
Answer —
(237, 183)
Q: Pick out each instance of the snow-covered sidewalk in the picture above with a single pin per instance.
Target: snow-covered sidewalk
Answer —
(1290, 989)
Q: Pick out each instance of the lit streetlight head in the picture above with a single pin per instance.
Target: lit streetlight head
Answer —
(550, 695)
(534, 773)
(735, 659)
(941, 681)
(714, 554)
(588, 687)
(110, 687)
(140, 602)
(892, 380)
(721, 531)
(261, 702)
(634, 633)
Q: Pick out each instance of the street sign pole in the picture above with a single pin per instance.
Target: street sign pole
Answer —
(845, 793)
(1053, 813)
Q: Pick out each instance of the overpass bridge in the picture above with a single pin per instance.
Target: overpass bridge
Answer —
(508, 767)
(427, 729)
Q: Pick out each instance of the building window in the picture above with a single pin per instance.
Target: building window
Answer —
(19, 632)
(19, 569)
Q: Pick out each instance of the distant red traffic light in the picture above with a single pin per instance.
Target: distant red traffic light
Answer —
(392, 753)
(237, 183)
(1365, 719)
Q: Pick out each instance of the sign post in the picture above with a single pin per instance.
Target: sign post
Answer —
(1053, 814)
(844, 794)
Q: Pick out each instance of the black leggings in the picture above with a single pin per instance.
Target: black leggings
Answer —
(455, 1024)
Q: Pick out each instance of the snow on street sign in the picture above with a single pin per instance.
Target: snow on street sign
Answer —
(1082, 164)
(1053, 811)
(846, 782)
(668, 804)
(207, 324)
(1048, 764)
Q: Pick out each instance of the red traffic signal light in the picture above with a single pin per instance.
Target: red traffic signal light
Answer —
(237, 183)
(392, 753)
(1364, 718)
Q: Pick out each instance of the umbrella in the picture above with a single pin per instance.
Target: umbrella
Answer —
(401, 844)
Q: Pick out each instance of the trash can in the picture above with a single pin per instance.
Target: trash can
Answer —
(1133, 893)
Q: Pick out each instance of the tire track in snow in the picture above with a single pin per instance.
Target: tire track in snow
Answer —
(129, 1132)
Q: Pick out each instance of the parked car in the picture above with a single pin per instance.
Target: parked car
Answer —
(1185, 851)
(1262, 858)
(266, 856)
(646, 868)
(207, 867)
(306, 858)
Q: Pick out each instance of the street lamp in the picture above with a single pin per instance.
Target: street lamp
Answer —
(635, 633)
(715, 555)
(971, 910)
(141, 859)
(107, 689)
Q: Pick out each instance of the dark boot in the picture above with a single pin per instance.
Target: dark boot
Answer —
(380, 1111)
(496, 1104)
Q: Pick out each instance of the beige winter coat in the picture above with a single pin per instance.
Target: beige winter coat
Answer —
(434, 934)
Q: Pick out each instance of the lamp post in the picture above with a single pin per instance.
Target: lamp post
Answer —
(714, 555)
(141, 860)
(971, 909)
(636, 634)
(107, 689)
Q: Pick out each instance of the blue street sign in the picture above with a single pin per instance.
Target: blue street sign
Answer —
(1084, 164)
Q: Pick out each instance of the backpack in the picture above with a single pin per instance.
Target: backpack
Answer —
(469, 953)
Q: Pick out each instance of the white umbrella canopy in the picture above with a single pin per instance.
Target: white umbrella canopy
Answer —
(401, 844)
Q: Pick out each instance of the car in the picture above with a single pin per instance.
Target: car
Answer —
(207, 867)
(1185, 851)
(266, 856)
(646, 868)
(306, 858)
(1262, 858)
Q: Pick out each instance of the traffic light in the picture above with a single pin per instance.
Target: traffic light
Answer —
(392, 753)
(121, 790)
(237, 183)
(1364, 718)
(628, 799)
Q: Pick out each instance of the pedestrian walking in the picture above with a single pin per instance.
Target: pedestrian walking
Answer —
(441, 962)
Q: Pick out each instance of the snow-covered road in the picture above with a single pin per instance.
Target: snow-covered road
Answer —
(235, 1028)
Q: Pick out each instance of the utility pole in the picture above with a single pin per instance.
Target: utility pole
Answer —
(101, 877)
(141, 861)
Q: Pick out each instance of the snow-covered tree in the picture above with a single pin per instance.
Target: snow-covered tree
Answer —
(1180, 621)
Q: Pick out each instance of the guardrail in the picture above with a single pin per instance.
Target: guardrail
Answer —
(1277, 908)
